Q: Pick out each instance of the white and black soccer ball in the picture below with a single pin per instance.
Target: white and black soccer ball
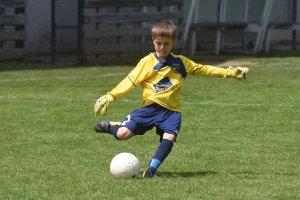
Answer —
(125, 165)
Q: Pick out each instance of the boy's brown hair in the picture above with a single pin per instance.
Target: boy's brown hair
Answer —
(164, 28)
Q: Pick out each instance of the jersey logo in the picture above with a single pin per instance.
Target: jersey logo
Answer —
(163, 84)
(176, 67)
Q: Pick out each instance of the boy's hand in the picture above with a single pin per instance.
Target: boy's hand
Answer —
(103, 104)
(239, 72)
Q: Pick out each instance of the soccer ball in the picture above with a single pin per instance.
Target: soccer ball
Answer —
(125, 165)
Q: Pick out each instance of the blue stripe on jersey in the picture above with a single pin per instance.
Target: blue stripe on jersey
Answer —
(175, 63)
(159, 65)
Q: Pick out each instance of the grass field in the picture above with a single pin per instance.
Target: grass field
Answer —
(237, 140)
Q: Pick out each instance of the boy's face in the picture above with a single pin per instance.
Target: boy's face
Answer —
(163, 46)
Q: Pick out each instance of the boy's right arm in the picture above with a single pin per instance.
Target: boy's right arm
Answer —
(104, 101)
(103, 104)
(137, 75)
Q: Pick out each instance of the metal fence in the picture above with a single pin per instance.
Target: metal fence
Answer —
(282, 37)
(236, 17)
(228, 26)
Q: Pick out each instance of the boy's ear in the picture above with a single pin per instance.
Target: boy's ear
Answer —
(175, 40)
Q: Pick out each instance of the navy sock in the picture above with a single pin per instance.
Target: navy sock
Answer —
(114, 130)
(161, 153)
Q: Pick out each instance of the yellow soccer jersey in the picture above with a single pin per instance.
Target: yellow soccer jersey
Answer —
(161, 81)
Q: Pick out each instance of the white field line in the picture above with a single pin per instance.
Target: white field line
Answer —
(57, 77)
(139, 101)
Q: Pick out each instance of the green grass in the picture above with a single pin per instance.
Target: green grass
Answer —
(237, 140)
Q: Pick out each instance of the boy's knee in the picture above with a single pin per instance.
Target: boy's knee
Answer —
(169, 136)
(124, 133)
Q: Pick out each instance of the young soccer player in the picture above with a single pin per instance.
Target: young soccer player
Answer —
(161, 75)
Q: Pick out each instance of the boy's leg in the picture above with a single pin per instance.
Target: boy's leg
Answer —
(115, 129)
(168, 129)
(162, 152)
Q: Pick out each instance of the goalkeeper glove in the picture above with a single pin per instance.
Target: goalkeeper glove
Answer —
(103, 104)
(239, 72)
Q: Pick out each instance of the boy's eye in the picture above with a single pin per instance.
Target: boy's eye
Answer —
(165, 44)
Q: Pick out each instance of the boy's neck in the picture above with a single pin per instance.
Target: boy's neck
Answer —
(164, 59)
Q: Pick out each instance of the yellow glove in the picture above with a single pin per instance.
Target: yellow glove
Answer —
(103, 104)
(239, 72)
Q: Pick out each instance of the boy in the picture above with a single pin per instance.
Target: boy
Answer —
(161, 75)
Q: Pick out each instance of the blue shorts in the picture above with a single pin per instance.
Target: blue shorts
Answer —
(154, 115)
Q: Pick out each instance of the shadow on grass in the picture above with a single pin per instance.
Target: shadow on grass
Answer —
(188, 174)
(209, 173)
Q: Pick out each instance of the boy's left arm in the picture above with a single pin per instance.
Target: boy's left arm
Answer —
(239, 72)
(235, 72)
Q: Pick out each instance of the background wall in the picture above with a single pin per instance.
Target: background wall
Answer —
(39, 21)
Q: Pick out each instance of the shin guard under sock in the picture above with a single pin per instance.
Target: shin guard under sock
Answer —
(161, 153)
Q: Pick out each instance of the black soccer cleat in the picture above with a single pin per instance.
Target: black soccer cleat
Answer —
(103, 127)
(151, 173)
